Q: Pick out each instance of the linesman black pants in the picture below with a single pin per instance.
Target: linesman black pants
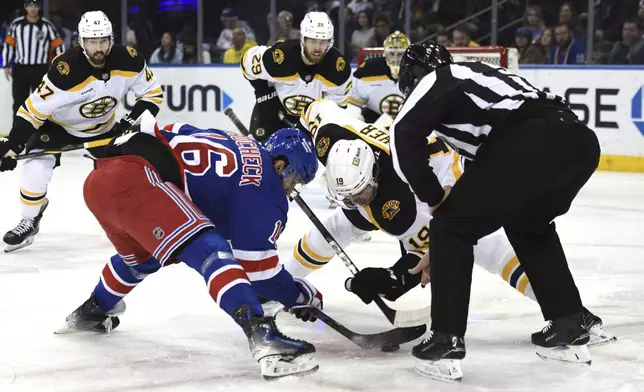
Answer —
(26, 78)
(523, 176)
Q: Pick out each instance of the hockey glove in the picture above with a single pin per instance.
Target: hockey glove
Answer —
(8, 151)
(126, 123)
(390, 283)
(310, 298)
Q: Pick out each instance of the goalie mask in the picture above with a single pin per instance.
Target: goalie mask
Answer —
(351, 173)
(316, 36)
(395, 46)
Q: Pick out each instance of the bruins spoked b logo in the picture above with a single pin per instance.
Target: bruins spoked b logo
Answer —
(295, 104)
(98, 107)
(391, 104)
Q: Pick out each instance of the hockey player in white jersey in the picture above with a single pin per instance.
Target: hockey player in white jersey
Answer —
(76, 102)
(374, 93)
(291, 74)
(361, 177)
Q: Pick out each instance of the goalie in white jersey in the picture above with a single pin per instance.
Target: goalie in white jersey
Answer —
(360, 176)
(76, 102)
(374, 92)
(289, 75)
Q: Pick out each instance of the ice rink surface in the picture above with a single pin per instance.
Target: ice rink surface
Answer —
(174, 338)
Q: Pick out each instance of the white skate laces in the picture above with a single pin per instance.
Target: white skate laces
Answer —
(24, 226)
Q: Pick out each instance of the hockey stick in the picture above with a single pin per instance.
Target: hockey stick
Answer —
(71, 147)
(387, 341)
(233, 117)
(399, 318)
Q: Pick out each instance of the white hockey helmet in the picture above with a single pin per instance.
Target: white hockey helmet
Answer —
(316, 25)
(95, 24)
(351, 173)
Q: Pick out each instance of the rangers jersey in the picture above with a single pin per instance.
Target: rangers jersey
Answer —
(298, 84)
(374, 89)
(82, 99)
(395, 209)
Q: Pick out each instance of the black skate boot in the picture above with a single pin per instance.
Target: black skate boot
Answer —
(278, 355)
(564, 339)
(595, 326)
(23, 234)
(89, 317)
(439, 356)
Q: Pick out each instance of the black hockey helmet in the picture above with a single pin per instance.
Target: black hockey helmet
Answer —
(420, 60)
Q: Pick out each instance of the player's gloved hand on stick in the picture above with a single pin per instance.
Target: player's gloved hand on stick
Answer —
(125, 123)
(7, 151)
(372, 282)
(310, 298)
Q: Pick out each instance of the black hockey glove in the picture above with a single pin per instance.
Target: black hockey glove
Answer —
(126, 123)
(264, 120)
(7, 150)
(390, 283)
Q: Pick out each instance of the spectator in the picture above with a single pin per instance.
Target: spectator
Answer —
(230, 21)
(357, 6)
(65, 33)
(566, 50)
(190, 54)
(169, 52)
(383, 29)
(240, 45)
(74, 41)
(461, 38)
(442, 37)
(533, 20)
(546, 40)
(568, 14)
(630, 49)
(528, 53)
(285, 29)
(601, 52)
(364, 35)
(640, 15)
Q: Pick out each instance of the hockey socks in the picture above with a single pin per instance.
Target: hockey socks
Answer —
(120, 275)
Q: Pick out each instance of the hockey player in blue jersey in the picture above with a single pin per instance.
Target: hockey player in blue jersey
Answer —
(178, 195)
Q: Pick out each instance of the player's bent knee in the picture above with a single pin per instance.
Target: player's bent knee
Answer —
(204, 250)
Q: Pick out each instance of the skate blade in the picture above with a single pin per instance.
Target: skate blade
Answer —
(599, 337)
(107, 327)
(275, 366)
(445, 370)
(567, 354)
(23, 244)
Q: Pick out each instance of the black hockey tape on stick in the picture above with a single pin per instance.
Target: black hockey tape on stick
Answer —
(286, 120)
(71, 147)
(233, 117)
(399, 318)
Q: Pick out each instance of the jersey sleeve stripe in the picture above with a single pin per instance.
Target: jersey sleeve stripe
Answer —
(32, 110)
(27, 116)
(125, 74)
(309, 251)
(376, 78)
(356, 101)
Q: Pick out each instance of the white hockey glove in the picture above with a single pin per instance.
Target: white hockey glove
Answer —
(310, 298)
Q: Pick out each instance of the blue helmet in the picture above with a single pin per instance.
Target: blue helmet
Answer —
(297, 148)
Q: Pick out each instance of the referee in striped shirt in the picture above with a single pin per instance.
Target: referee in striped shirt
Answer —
(30, 45)
(529, 157)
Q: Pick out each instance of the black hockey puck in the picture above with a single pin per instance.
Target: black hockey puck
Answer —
(389, 347)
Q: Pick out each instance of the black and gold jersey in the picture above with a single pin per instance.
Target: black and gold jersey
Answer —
(374, 88)
(83, 99)
(296, 83)
(395, 209)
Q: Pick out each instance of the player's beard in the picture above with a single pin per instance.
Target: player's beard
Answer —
(315, 60)
(98, 58)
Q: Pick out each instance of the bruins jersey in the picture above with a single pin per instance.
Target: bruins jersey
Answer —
(298, 84)
(395, 209)
(82, 99)
(375, 89)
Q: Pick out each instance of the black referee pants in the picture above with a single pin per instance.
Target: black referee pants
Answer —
(523, 177)
(26, 78)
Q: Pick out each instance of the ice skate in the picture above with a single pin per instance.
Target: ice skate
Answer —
(277, 354)
(595, 326)
(89, 317)
(564, 339)
(23, 234)
(439, 357)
